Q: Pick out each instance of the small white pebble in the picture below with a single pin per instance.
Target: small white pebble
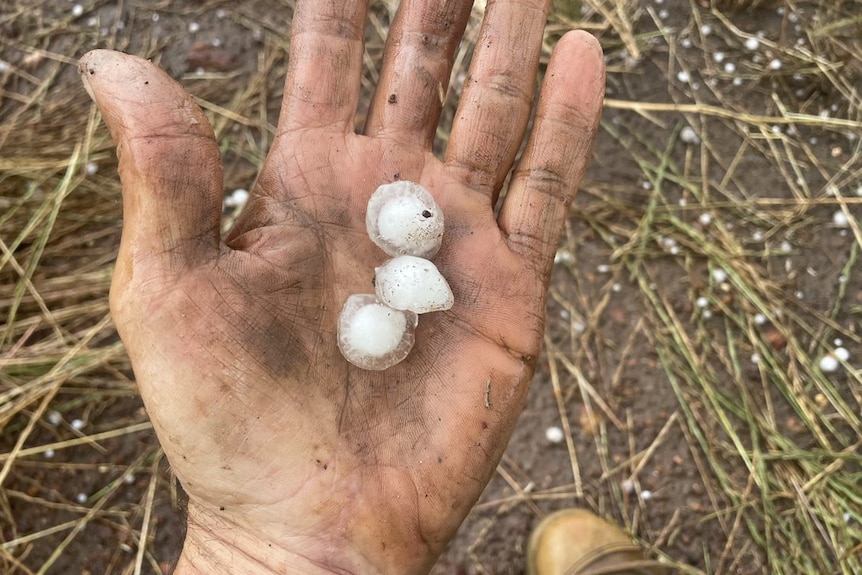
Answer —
(55, 418)
(759, 319)
(718, 57)
(775, 64)
(555, 434)
(77, 10)
(701, 302)
(77, 424)
(705, 219)
(81, 498)
(841, 353)
(688, 135)
(194, 27)
(646, 494)
(719, 275)
(755, 358)
(49, 453)
(683, 76)
(752, 43)
(828, 363)
(839, 219)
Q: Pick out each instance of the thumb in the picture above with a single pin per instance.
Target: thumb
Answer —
(170, 166)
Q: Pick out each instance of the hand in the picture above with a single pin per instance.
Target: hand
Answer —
(293, 459)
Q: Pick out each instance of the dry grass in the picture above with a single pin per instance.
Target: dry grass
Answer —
(776, 443)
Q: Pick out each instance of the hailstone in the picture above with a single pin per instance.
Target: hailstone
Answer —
(412, 283)
(372, 335)
(403, 219)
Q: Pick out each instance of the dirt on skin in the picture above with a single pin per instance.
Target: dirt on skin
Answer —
(614, 391)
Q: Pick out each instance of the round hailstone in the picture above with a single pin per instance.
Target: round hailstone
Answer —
(371, 335)
(554, 434)
(752, 43)
(839, 219)
(688, 135)
(841, 353)
(701, 302)
(403, 219)
(829, 363)
(414, 284)
(719, 275)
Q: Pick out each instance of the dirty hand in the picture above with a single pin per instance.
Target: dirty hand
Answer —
(293, 459)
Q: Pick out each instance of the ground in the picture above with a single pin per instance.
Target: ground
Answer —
(707, 278)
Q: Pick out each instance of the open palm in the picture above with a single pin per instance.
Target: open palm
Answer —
(293, 458)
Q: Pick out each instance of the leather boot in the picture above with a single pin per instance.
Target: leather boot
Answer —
(576, 542)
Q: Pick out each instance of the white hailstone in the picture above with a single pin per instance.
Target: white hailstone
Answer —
(705, 219)
(755, 358)
(859, 191)
(414, 284)
(707, 313)
(646, 495)
(701, 302)
(81, 498)
(688, 135)
(683, 202)
(579, 326)
(785, 247)
(759, 319)
(628, 486)
(837, 342)
(129, 478)
(800, 294)
(554, 434)
(663, 14)
(603, 268)
(757, 236)
(563, 256)
(237, 198)
(616, 288)
(718, 57)
(752, 43)
(155, 17)
(220, 13)
(77, 424)
(194, 27)
(55, 418)
(371, 335)
(841, 353)
(737, 81)
(829, 363)
(719, 275)
(730, 67)
(403, 219)
(775, 64)
(839, 219)
(706, 29)
(77, 10)
(49, 453)
(91, 168)
(686, 42)
(683, 76)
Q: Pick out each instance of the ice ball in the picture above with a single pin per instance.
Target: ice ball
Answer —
(403, 219)
(412, 283)
(371, 335)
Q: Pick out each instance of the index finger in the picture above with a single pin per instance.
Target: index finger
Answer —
(325, 65)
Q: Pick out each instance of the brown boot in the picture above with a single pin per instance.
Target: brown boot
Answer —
(576, 542)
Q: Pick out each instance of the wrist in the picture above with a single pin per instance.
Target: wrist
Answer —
(216, 546)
